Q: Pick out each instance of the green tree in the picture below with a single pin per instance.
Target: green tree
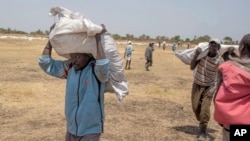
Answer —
(228, 40)
(38, 32)
(142, 37)
(117, 37)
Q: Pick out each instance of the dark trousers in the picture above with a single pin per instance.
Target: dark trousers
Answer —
(201, 104)
(90, 137)
(149, 63)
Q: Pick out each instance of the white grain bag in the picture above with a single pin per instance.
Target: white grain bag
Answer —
(187, 55)
(73, 33)
(117, 82)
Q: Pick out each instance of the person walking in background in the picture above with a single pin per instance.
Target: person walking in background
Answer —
(232, 101)
(127, 54)
(174, 47)
(86, 82)
(179, 44)
(203, 86)
(149, 56)
(188, 45)
(164, 45)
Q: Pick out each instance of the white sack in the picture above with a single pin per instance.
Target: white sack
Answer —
(117, 83)
(186, 55)
(73, 28)
(74, 33)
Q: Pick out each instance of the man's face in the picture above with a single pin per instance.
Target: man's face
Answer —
(213, 48)
(79, 60)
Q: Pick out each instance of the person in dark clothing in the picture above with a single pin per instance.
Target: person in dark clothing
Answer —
(149, 56)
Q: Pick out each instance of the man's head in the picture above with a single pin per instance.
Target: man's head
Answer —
(80, 60)
(129, 42)
(244, 46)
(151, 44)
(214, 46)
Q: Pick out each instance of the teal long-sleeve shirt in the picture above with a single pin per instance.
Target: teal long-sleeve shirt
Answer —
(84, 100)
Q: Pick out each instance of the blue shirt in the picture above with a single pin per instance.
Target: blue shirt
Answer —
(128, 50)
(84, 101)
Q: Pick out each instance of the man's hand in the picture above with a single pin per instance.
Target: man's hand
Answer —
(103, 29)
(194, 61)
(198, 51)
(48, 48)
(230, 50)
(52, 27)
(98, 35)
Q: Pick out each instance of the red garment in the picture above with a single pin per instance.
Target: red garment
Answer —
(232, 103)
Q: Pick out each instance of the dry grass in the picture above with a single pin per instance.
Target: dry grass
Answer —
(158, 107)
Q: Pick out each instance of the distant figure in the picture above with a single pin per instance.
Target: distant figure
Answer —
(159, 43)
(232, 101)
(164, 45)
(149, 55)
(174, 47)
(203, 87)
(128, 54)
(179, 44)
(188, 45)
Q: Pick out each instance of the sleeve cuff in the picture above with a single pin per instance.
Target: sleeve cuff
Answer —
(102, 62)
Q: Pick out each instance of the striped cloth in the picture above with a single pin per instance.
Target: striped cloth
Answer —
(206, 70)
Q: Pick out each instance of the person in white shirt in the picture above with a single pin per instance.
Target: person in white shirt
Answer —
(128, 54)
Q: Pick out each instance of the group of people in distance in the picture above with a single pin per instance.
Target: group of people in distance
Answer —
(148, 55)
(225, 82)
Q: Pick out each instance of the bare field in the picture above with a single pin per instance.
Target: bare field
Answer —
(158, 107)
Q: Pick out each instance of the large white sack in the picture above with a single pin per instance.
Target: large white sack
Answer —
(117, 83)
(187, 55)
(73, 28)
(75, 33)
(64, 44)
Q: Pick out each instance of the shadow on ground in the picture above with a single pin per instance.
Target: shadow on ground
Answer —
(193, 130)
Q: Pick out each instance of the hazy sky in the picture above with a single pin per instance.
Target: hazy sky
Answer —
(187, 18)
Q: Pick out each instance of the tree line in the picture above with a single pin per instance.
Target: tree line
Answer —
(143, 37)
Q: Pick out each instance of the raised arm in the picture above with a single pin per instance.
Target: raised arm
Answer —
(194, 61)
(53, 67)
(47, 49)
(102, 64)
(100, 51)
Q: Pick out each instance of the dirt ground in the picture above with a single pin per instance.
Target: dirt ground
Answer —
(158, 107)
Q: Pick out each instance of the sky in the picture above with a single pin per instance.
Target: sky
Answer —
(186, 18)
